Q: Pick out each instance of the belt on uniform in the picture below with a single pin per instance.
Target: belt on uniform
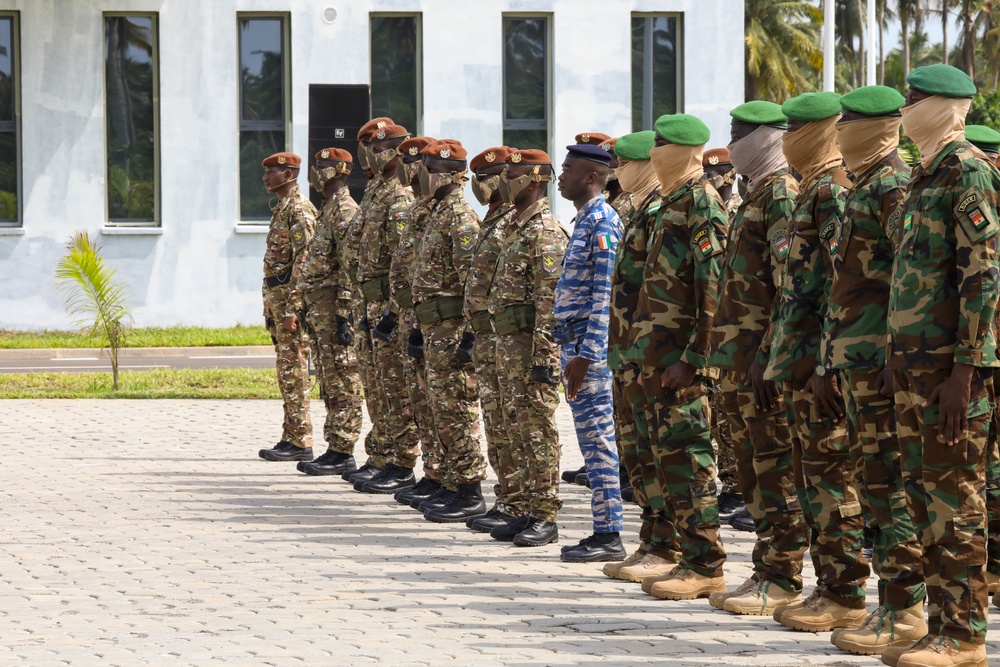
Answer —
(404, 297)
(567, 332)
(376, 289)
(435, 311)
(280, 279)
(482, 322)
(514, 319)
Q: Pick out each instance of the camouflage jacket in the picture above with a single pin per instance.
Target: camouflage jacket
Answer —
(528, 271)
(626, 277)
(492, 231)
(322, 263)
(854, 333)
(291, 230)
(679, 291)
(797, 322)
(384, 221)
(622, 204)
(349, 254)
(444, 254)
(403, 259)
(944, 290)
(751, 274)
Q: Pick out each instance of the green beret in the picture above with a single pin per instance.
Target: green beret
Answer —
(760, 112)
(873, 101)
(983, 138)
(809, 107)
(635, 146)
(943, 80)
(683, 129)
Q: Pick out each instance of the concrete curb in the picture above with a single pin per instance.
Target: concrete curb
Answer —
(137, 352)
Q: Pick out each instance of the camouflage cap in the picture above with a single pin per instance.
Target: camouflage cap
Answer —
(635, 146)
(983, 138)
(810, 107)
(760, 112)
(682, 129)
(873, 101)
(943, 80)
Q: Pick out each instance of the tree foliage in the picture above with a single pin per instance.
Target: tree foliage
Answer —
(783, 57)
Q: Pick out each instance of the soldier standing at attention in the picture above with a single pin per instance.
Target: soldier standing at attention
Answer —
(670, 342)
(813, 403)
(942, 307)
(749, 288)
(582, 311)
(521, 303)
(287, 239)
(854, 344)
(510, 501)
(320, 295)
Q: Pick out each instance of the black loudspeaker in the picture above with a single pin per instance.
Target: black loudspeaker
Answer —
(336, 115)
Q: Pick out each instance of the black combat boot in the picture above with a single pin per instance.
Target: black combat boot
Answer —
(286, 451)
(599, 547)
(569, 476)
(362, 474)
(537, 533)
(424, 489)
(467, 502)
(489, 521)
(330, 463)
(508, 531)
(391, 479)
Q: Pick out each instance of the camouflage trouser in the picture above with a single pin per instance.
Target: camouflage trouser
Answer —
(723, 440)
(364, 351)
(593, 417)
(402, 440)
(415, 371)
(337, 370)
(625, 438)
(292, 364)
(499, 449)
(993, 489)
(685, 469)
(945, 492)
(763, 448)
(825, 483)
(451, 388)
(529, 410)
(875, 457)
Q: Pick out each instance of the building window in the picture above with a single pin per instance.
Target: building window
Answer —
(395, 69)
(10, 163)
(264, 106)
(526, 82)
(656, 68)
(132, 116)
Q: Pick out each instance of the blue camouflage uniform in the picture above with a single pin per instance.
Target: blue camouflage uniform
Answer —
(582, 313)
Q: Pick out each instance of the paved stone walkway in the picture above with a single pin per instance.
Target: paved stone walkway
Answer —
(149, 533)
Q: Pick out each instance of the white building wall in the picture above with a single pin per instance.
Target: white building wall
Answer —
(201, 266)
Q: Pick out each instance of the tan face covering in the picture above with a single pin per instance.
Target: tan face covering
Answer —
(866, 142)
(933, 123)
(812, 149)
(637, 177)
(675, 164)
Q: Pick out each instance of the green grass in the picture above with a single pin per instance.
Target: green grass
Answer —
(178, 336)
(158, 383)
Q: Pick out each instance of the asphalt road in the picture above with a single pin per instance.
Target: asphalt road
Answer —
(84, 364)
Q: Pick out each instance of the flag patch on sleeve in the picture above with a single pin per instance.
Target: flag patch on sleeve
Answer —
(604, 241)
(977, 218)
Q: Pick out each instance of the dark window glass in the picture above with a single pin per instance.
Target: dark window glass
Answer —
(655, 69)
(525, 79)
(9, 163)
(130, 84)
(263, 107)
(395, 62)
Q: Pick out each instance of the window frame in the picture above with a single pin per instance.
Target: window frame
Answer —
(418, 58)
(15, 67)
(284, 125)
(647, 120)
(515, 124)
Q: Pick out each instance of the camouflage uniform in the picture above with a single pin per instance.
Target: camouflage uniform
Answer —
(821, 448)
(287, 239)
(384, 221)
(320, 296)
(521, 303)
(942, 304)
(674, 314)
(499, 451)
(623, 204)
(400, 286)
(748, 291)
(441, 265)
(853, 342)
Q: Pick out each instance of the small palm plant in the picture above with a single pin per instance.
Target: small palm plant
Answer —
(95, 295)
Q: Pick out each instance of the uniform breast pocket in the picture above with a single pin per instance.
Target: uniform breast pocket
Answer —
(278, 247)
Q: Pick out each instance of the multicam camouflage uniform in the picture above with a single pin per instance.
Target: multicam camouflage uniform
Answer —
(320, 296)
(748, 291)
(521, 302)
(287, 239)
(823, 478)
(492, 231)
(623, 204)
(942, 304)
(853, 342)
(674, 314)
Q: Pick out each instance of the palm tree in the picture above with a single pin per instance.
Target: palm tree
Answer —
(783, 56)
(911, 13)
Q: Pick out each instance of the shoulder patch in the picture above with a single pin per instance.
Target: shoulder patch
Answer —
(828, 234)
(779, 244)
(705, 244)
(892, 224)
(967, 201)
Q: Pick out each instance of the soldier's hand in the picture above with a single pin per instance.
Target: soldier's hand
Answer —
(544, 374)
(415, 343)
(291, 323)
(386, 328)
(679, 375)
(765, 392)
(343, 335)
(953, 395)
(575, 374)
(826, 395)
(884, 384)
(464, 351)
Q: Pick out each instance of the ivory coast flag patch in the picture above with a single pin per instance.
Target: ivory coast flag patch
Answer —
(604, 241)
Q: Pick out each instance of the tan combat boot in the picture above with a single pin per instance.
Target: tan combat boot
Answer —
(818, 614)
(761, 600)
(650, 565)
(782, 608)
(883, 628)
(892, 654)
(612, 569)
(716, 599)
(686, 584)
(945, 652)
